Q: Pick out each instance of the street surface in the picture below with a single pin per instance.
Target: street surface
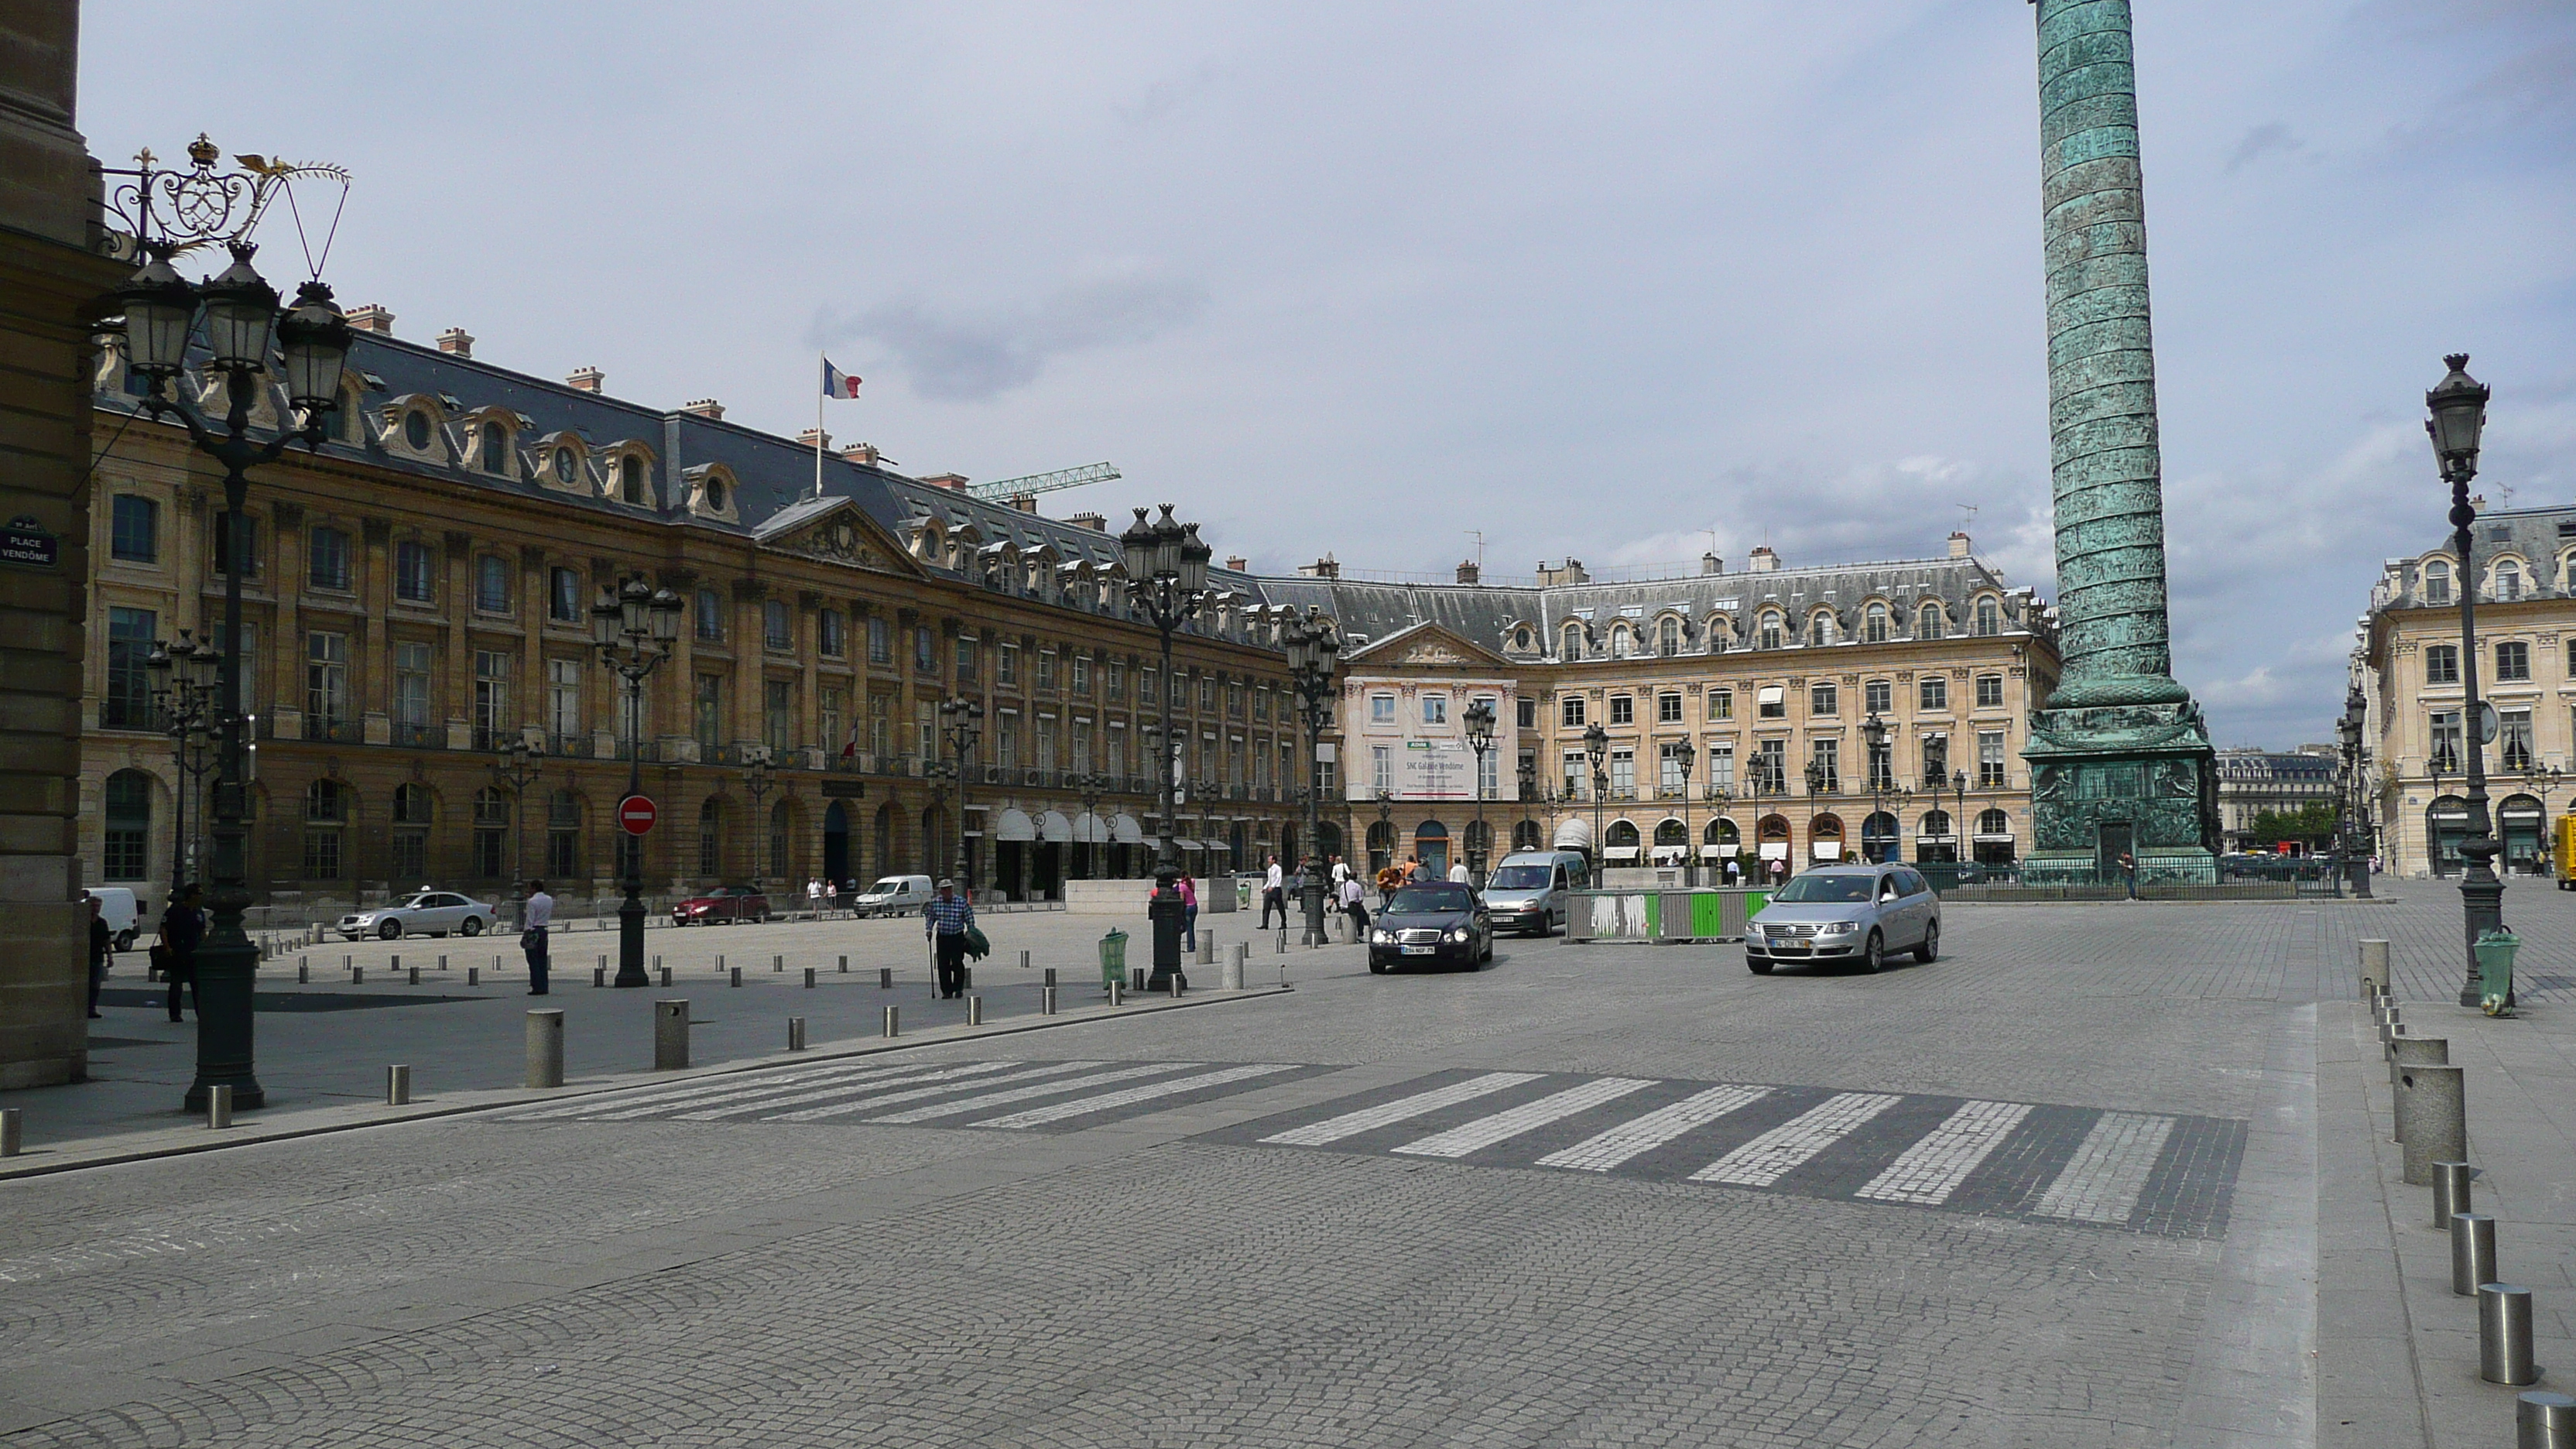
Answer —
(2058, 1188)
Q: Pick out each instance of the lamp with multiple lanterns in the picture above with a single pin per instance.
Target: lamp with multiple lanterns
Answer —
(635, 627)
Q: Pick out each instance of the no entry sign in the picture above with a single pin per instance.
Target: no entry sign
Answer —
(636, 814)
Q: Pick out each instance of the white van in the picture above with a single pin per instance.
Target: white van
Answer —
(1531, 889)
(895, 895)
(118, 907)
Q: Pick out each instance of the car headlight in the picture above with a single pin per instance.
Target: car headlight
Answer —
(1459, 934)
(1837, 928)
(1382, 936)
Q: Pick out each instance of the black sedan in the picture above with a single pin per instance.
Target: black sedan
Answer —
(1433, 923)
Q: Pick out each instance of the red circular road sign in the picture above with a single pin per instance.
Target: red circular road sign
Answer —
(636, 813)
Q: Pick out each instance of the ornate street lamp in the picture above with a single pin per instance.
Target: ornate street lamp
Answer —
(759, 777)
(961, 721)
(244, 337)
(1596, 744)
(1527, 774)
(1959, 822)
(1314, 645)
(1167, 572)
(1092, 787)
(1480, 738)
(517, 765)
(635, 627)
(1873, 734)
(1684, 757)
(1815, 787)
(2458, 404)
(184, 691)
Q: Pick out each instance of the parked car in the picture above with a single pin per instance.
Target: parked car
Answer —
(430, 913)
(1846, 912)
(723, 905)
(1431, 923)
(895, 895)
(118, 907)
(1529, 891)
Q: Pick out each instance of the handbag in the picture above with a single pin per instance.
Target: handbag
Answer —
(532, 941)
(976, 946)
(160, 958)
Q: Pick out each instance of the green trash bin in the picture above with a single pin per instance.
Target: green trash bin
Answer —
(1113, 959)
(2495, 970)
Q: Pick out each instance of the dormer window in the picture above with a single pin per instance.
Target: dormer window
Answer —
(567, 466)
(715, 495)
(416, 430)
(1931, 624)
(496, 449)
(630, 479)
(2437, 582)
(1990, 617)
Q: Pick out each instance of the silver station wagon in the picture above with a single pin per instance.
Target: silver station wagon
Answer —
(1859, 913)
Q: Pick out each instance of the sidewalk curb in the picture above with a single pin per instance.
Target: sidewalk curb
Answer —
(182, 1141)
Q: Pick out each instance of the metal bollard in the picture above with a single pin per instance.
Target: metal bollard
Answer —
(13, 1131)
(736, 978)
(398, 1085)
(219, 1107)
(885, 978)
(2504, 1335)
(1175, 982)
(415, 976)
(2451, 1196)
(894, 1021)
(357, 975)
(720, 965)
(303, 973)
(1046, 1000)
(473, 975)
(974, 1011)
(965, 975)
(845, 965)
(809, 978)
(778, 964)
(442, 963)
(396, 963)
(1117, 993)
(666, 975)
(545, 1048)
(348, 963)
(1136, 978)
(2543, 1420)
(599, 976)
(2432, 1109)
(2473, 1252)
(1024, 960)
(796, 1033)
(2374, 966)
(670, 1034)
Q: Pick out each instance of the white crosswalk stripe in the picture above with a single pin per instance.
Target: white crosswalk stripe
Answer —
(1015, 1094)
(1776, 1153)
(1083, 1106)
(1503, 1126)
(872, 1101)
(610, 1101)
(2102, 1181)
(768, 1101)
(1351, 1124)
(1932, 1169)
(1645, 1134)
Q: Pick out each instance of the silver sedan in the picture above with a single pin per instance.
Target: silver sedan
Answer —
(1846, 913)
(430, 913)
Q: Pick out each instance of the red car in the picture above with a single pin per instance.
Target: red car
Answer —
(721, 905)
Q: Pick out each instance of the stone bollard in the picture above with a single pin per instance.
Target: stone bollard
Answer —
(2473, 1252)
(395, 964)
(13, 1131)
(796, 1033)
(599, 976)
(545, 1048)
(1046, 1000)
(2450, 1195)
(2432, 1108)
(2374, 967)
(1024, 960)
(398, 1085)
(473, 975)
(974, 1011)
(2504, 1335)
(2543, 1420)
(734, 979)
(1207, 948)
(357, 975)
(809, 978)
(885, 978)
(442, 963)
(1233, 978)
(1136, 978)
(303, 973)
(670, 1034)
(219, 1107)
(415, 976)
(2406, 1051)
(666, 976)
(894, 1021)
(845, 965)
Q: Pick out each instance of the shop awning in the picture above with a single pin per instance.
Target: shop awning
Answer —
(1716, 852)
(1091, 830)
(1014, 825)
(1573, 834)
(1053, 826)
(1124, 830)
(1620, 852)
(1189, 844)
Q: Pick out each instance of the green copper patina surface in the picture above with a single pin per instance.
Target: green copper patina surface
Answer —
(2120, 759)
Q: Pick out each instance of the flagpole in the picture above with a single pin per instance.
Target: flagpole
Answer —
(818, 423)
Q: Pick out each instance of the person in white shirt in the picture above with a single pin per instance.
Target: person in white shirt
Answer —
(1274, 895)
(1458, 871)
(535, 917)
(1341, 872)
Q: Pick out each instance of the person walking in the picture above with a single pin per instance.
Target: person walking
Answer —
(1189, 912)
(183, 926)
(1274, 895)
(2129, 873)
(1389, 879)
(944, 922)
(536, 932)
(1341, 873)
(1355, 904)
(102, 944)
(1458, 871)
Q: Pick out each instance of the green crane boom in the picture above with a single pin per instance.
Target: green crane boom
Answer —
(1009, 488)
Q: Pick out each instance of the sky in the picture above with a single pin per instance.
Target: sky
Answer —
(1419, 283)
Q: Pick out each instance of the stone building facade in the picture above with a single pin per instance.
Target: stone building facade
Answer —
(2257, 782)
(1763, 672)
(421, 599)
(2410, 669)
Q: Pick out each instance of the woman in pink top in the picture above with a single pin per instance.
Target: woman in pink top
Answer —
(1189, 913)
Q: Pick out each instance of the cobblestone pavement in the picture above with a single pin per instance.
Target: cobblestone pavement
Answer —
(1984, 1202)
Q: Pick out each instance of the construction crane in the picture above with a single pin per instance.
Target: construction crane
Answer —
(1007, 489)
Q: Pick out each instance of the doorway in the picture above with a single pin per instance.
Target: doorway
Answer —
(836, 845)
(2113, 841)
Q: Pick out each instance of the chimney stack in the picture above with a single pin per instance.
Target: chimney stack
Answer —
(863, 454)
(1467, 571)
(1710, 563)
(1763, 560)
(955, 481)
(1025, 502)
(455, 341)
(1555, 575)
(813, 438)
(1238, 563)
(705, 407)
(1322, 568)
(1092, 521)
(587, 379)
(368, 317)
(1959, 545)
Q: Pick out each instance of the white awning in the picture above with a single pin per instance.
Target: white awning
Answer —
(1620, 852)
(1178, 844)
(1826, 849)
(1091, 830)
(1014, 825)
(1053, 826)
(1125, 831)
(1573, 833)
(1983, 838)
(1716, 852)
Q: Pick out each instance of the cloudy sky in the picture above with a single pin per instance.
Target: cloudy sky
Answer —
(1614, 280)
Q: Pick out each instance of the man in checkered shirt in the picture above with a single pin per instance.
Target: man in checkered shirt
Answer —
(943, 924)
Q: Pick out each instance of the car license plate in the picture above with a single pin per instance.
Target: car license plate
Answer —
(1420, 950)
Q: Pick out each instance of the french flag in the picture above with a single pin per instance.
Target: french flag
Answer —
(837, 383)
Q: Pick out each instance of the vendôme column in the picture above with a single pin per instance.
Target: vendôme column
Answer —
(2120, 759)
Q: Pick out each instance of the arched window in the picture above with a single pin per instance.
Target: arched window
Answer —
(1990, 616)
(1874, 624)
(1993, 822)
(1668, 638)
(2437, 582)
(1381, 844)
(416, 430)
(1622, 642)
(129, 826)
(1820, 627)
(1720, 632)
(326, 802)
(630, 479)
(2508, 580)
(1571, 641)
(1931, 623)
(1772, 625)
(496, 449)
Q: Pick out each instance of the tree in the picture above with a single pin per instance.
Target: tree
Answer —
(2312, 824)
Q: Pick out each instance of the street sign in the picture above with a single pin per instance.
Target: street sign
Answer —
(636, 814)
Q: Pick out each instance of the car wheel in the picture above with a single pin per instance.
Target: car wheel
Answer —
(1758, 965)
(1873, 953)
(1376, 967)
(125, 941)
(471, 926)
(1930, 950)
(390, 931)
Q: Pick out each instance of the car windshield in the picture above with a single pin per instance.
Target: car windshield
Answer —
(887, 887)
(420, 903)
(1827, 888)
(1420, 899)
(1519, 878)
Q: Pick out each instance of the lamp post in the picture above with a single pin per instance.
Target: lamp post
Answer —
(1314, 645)
(243, 330)
(1685, 755)
(1527, 775)
(1815, 786)
(759, 777)
(518, 764)
(1092, 787)
(634, 626)
(2458, 404)
(1386, 817)
(961, 721)
(1480, 738)
(1167, 573)
(1959, 822)
(185, 692)
(1873, 735)
(1596, 744)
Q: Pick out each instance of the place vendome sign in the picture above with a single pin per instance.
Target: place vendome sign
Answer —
(26, 541)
